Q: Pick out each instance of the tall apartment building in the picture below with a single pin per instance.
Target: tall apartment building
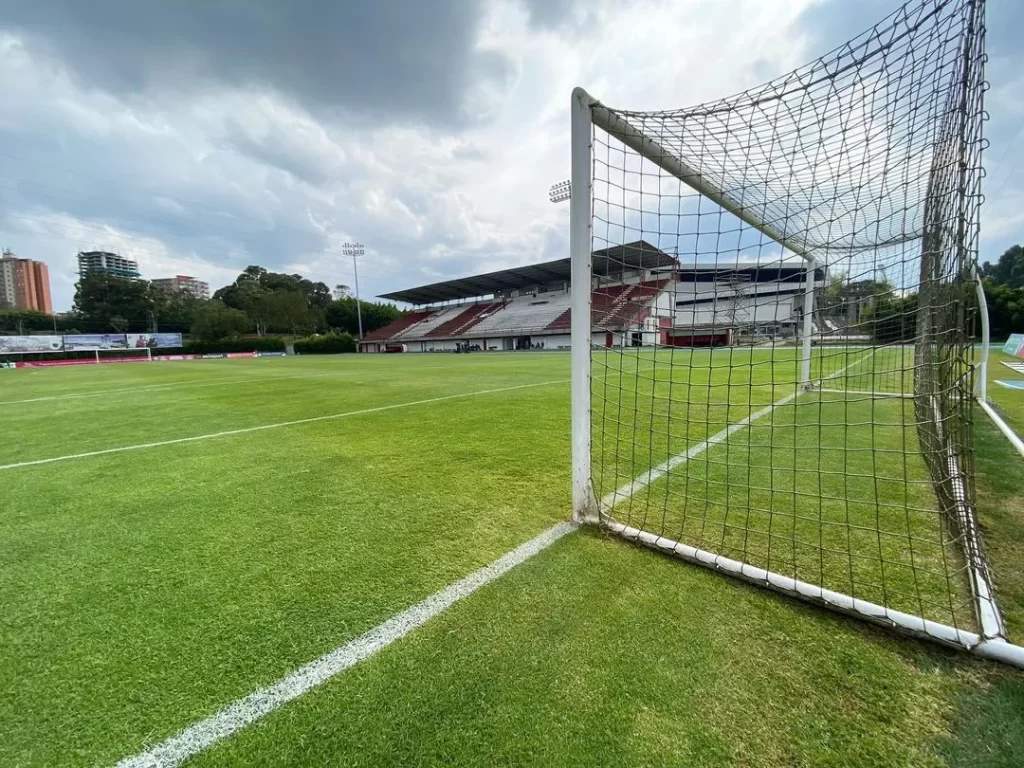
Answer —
(8, 280)
(184, 284)
(24, 283)
(108, 263)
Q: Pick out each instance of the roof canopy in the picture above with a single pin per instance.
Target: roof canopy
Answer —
(608, 261)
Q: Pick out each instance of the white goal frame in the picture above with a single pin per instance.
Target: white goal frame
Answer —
(586, 113)
(123, 352)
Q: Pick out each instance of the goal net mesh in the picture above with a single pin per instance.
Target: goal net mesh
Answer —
(783, 313)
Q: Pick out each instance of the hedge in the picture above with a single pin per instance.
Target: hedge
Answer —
(328, 344)
(260, 344)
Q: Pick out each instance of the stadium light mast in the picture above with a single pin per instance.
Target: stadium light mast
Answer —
(560, 192)
(355, 250)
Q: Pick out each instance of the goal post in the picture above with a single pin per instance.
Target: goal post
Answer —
(774, 302)
(584, 503)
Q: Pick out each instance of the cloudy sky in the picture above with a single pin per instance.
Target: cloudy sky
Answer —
(200, 136)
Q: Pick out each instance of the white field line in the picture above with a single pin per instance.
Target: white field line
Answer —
(845, 368)
(243, 712)
(1003, 427)
(275, 425)
(864, 392)
(656, 473)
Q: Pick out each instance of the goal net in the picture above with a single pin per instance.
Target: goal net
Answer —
(778, 376)
(122, 355)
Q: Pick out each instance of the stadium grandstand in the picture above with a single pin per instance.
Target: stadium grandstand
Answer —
(642, 296)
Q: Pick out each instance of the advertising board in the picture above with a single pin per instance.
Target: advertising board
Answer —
(14, 345)
(88, 342)
(154, 340)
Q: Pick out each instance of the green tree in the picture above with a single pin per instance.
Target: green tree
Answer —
(341, 314)
(1005, 308)
(109, 303)
(286, 312)
(1009, 270)
(843, 299)
(891, 319)
(275, 301)
(214, 320)
(24, 321)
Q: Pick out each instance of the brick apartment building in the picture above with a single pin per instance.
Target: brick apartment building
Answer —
(24, 284)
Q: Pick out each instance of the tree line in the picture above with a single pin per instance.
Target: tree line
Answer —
(877, 309)
(259, 302)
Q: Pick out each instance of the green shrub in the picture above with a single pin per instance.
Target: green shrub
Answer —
(237, 344)
(328, 344)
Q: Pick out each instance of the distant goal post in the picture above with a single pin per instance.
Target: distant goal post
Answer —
(826, 224)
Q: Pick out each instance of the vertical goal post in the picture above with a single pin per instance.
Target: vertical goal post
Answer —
(823, 452)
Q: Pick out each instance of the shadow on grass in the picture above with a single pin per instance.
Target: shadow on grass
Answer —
(988, 726)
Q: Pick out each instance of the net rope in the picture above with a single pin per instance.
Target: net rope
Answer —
(841, 206)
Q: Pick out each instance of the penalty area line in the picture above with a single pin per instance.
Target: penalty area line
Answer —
(245, 711)
(276, 425)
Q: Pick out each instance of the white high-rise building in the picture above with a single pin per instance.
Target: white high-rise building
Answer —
(184, 284)
(106, 262)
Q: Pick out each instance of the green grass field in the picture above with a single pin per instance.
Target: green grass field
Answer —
(145, 589)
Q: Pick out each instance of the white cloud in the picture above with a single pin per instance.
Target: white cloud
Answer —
(206, 180)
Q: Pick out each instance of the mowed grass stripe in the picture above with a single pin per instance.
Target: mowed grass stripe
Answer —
(39, 382)
(79, 426)
(244, 712)
(144, 591)
(599, 652)
(146, 389)
(276, 425)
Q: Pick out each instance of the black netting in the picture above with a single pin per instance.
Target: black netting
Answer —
(783, 329)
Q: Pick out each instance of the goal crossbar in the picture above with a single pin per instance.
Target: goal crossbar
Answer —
(619, 127)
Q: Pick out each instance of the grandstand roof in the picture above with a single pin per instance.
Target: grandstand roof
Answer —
(636, 255)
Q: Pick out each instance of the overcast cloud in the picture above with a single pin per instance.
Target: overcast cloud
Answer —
(199, 137)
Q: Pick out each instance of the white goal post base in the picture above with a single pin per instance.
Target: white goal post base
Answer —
(996, 649)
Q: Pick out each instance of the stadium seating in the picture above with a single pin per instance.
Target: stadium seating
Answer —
(437, 317)
(615, 305)
(464, 320)
(391, 330)
(525, 313)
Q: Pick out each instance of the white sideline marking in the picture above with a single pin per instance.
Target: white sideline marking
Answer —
(247, 710)
(655, 473)
(276, 425)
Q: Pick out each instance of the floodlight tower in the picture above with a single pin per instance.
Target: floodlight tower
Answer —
(560, 192)
(355, 250)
